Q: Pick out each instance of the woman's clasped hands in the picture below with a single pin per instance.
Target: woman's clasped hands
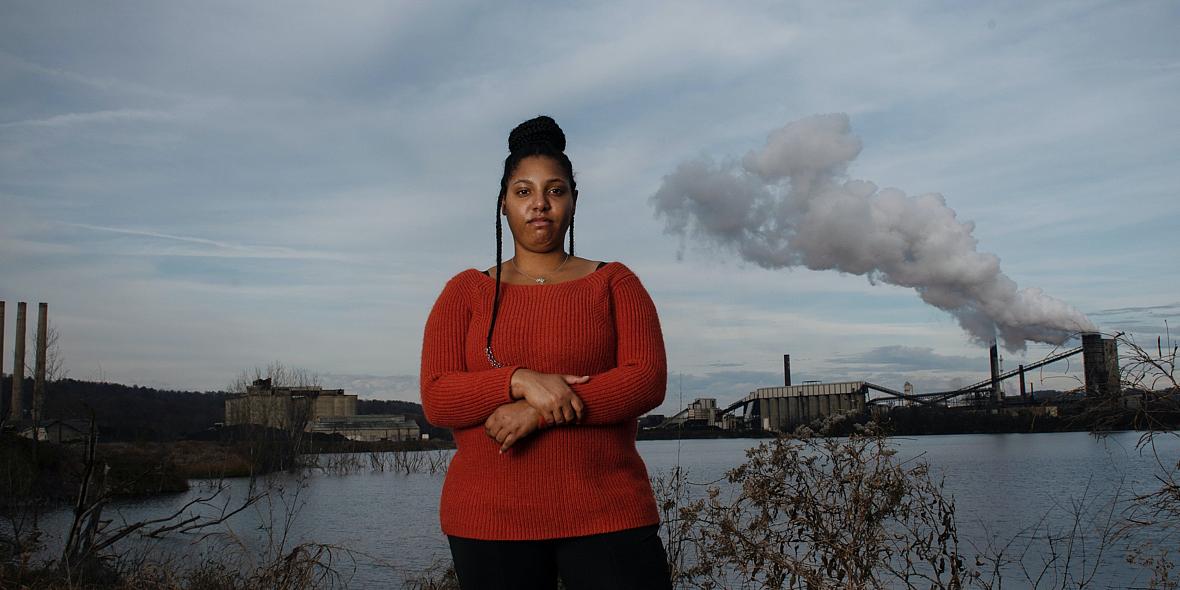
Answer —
(542, 399)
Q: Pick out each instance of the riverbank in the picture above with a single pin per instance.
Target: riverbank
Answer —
(389, 519)
(1155, 412)
(50, 471)
(165, 467)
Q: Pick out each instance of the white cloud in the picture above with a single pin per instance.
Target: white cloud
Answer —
(202, 247)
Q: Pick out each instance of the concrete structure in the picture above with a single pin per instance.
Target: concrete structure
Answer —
(369, 427)
(701, 412)
(314, 409)
(39, 366)
(782, 409)
(3, 328)
(731, 422)
(16, 408)
(1100, 358)
(997, 392)
(286, 407)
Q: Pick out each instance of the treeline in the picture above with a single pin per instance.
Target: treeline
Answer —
(918, 420)
(134, 413)
(131, 412)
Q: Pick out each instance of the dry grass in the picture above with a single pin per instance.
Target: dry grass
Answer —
(815, 512)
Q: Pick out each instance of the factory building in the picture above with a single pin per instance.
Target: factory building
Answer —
(286, 407)
(368, 427)
(314, 409)
(782, 409)
(701, 412)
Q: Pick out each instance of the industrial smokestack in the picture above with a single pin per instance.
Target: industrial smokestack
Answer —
(791, 203)
(787, 369)
(39, 369)
(3, 328)
(997, 395)
(1100, 360)
(16, 408)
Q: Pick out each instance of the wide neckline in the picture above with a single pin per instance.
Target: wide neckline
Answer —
(492, 280)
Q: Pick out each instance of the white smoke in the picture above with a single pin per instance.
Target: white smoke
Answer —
(791, 204)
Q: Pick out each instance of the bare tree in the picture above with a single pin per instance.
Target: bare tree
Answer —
(91, 539)
(285, 451)
(55, 365)
(1149, 378)
(280, 375)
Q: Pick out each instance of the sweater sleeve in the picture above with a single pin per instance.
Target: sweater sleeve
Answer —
(636, 385)
(452, 395)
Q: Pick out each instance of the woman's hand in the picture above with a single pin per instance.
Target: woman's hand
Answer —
(550, 394)
(512, 422)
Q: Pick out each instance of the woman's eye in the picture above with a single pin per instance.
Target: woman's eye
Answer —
(557, 191)
(522, 192)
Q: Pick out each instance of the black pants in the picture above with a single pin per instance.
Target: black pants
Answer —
(623, 560)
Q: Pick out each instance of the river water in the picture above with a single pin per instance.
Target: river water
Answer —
(1006, 486)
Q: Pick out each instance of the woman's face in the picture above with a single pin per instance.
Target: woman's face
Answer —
(539, 204)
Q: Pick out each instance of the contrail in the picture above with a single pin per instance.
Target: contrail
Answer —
(791, 203)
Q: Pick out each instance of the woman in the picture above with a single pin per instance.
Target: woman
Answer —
(541, 365)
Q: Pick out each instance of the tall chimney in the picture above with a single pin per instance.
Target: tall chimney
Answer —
(787, 369)
(16, 408)
(1023, 393)
(39, 369)
(1100, 363)
(3, 327)
(997, 395)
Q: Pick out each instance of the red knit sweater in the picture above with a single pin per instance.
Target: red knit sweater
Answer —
(562, 481)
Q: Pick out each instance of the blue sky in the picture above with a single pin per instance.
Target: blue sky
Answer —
(200, 189)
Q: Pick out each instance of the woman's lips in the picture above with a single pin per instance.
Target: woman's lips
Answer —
(540, 222)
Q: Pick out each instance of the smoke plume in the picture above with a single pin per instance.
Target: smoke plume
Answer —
(790, 203)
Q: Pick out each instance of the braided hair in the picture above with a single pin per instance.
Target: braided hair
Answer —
(540, 136)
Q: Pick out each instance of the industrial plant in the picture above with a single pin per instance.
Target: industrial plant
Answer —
(316, 410)
(784, 408)
(773, 409)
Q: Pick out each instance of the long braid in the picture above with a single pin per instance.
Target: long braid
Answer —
(499, 268)
(540, 136)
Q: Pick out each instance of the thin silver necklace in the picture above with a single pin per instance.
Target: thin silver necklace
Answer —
(539, 280)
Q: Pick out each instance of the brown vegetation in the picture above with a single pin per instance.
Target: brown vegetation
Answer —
(815, 512)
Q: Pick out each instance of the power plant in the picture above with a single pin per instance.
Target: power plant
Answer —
(786, 407)
(780, 408)
(314, 409)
